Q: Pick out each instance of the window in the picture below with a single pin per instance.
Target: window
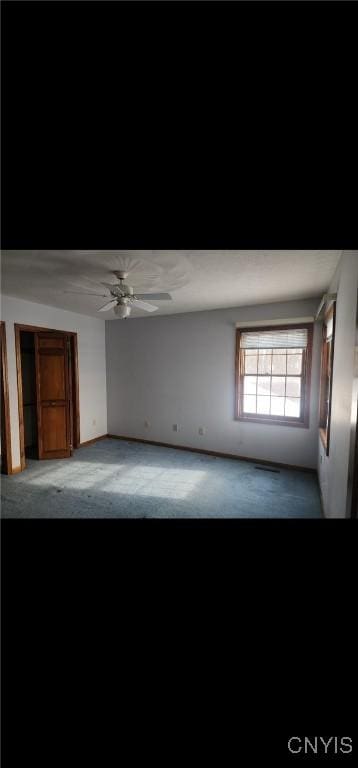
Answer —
(273, 370)
(328, 329)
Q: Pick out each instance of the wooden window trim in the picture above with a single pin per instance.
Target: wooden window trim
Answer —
(325, 434)
(303, 421)
(6, 458)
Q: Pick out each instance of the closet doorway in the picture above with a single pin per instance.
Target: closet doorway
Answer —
(48, 392)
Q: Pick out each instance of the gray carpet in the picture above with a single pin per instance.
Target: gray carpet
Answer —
(114, 478)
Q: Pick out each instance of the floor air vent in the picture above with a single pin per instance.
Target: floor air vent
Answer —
(268, 469)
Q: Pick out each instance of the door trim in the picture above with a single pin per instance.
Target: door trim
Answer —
(75, 391)
(76, 400)
(6, 458)
(354, 490)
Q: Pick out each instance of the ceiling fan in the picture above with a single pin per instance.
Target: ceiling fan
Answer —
(124, 299)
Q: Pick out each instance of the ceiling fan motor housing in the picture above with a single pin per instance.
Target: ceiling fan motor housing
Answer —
(122, 289)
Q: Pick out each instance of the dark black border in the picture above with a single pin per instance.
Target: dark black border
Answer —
(176, 124)
(216, 639)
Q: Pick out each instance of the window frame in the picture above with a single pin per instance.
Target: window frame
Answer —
(325, 415)
(287, 421)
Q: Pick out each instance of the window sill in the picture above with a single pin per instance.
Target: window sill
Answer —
(273, 422)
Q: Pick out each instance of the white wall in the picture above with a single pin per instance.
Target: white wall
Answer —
(181, 369)
(91, 359)
(333, 469)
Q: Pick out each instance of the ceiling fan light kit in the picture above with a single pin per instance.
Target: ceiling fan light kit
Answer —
(122, 311)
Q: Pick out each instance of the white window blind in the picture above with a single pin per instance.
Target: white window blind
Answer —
(287, 339)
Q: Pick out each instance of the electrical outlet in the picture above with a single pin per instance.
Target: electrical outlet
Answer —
(147, 424)
(201, 430)
(94, 422)
(175, 427)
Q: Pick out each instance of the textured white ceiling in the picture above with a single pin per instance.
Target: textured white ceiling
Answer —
(197, 280)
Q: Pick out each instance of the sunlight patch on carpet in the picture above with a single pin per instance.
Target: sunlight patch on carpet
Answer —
(138, 480)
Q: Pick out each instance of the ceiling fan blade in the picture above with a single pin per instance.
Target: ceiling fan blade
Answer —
(154, 296)
(144, 305)
(84, 293)
(108, 306)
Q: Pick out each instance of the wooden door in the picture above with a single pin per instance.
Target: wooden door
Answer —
(53, 396)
